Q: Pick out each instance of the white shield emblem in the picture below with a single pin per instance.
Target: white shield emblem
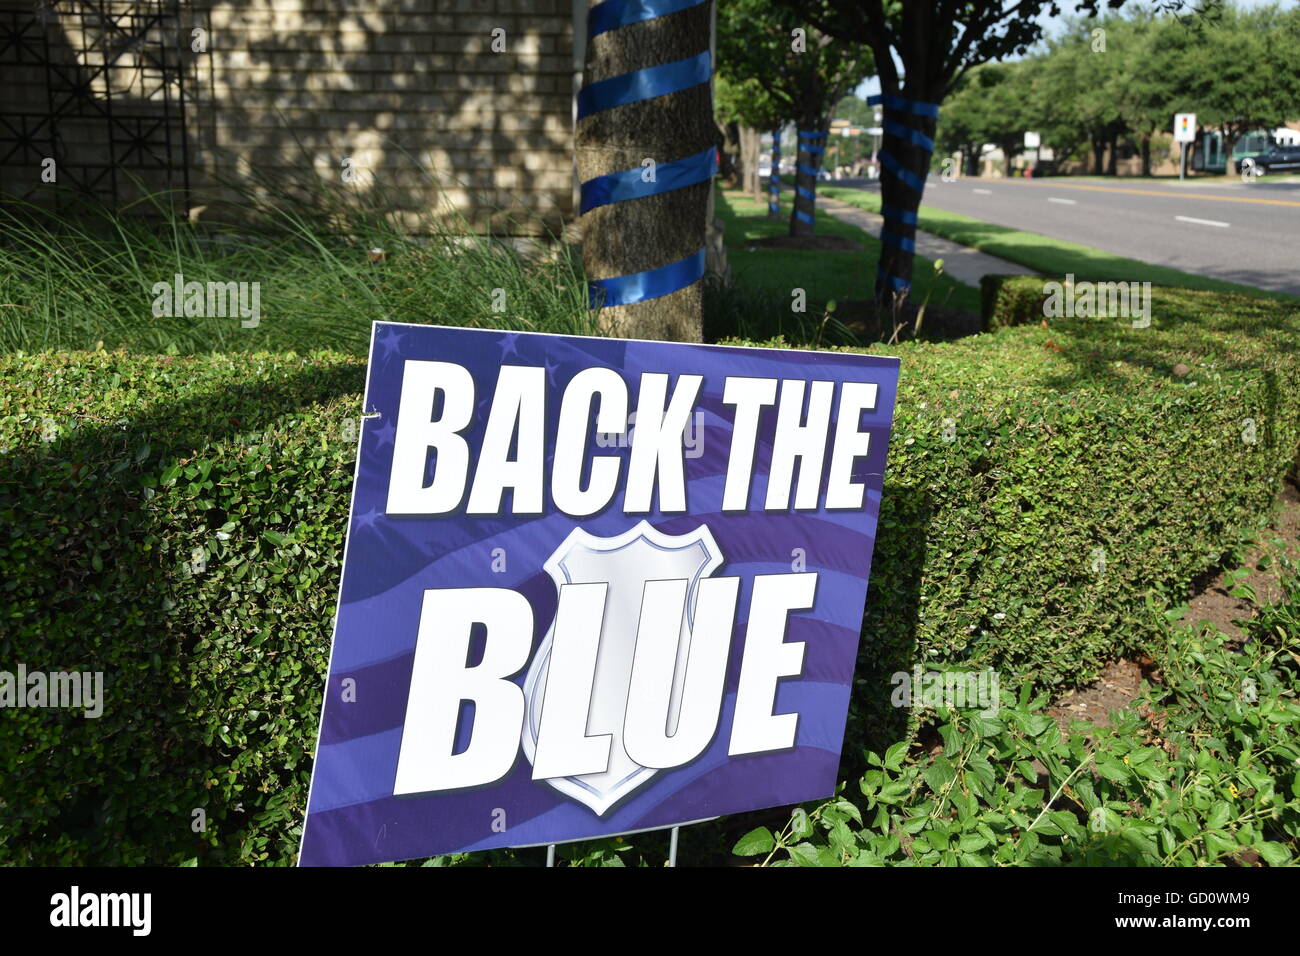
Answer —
(625, 563)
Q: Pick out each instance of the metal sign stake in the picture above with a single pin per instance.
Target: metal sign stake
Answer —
(672, 848)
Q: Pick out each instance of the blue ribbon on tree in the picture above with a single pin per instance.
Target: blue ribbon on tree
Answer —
(629, 184)
(911, 135)
(906, 177)
(897, 241)
(898, 215)
(606, 16)
(639, 286)
(903, 105)
(894, 282)
(804, 147)
(649, 83)
(653, 81)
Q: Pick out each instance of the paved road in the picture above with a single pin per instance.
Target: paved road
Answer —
(1236, 232)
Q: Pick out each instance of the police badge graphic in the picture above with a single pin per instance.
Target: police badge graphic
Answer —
(555, 625)
(625, 563)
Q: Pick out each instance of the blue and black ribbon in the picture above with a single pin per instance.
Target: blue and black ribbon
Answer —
(911, 180)
(806, 140)
(903, 105)
(646, 84)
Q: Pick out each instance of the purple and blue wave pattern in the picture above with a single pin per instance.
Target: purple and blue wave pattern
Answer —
(353, 817)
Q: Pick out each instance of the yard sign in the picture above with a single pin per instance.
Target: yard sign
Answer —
(593, 586)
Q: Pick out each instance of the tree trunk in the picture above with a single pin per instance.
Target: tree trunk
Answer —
(808, 163)
(902, 182)
(774, 178)
(1146, 154)
(750, 141)
(1098, 154)
(650, 232)
(729, 154)
(1229, 144)
(1112, 163)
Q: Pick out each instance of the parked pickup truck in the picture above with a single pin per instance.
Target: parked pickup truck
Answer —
(1277, 159)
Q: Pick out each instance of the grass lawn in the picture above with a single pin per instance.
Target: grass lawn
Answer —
(1047, 255)
(773, 273)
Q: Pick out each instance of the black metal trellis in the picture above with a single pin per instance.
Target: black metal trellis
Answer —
(115, 97)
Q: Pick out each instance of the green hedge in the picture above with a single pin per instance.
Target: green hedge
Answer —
(1069, 438)
(1063, 439)
(213, 678)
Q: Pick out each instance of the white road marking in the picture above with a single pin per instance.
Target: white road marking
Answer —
(983, 192)
(1067, 202)
(1203, 222)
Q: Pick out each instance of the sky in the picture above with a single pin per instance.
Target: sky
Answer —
(1053, 25)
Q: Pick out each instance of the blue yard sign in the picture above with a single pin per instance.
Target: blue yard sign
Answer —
(593, 586)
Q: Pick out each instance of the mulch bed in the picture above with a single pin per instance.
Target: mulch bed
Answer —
(939, 323)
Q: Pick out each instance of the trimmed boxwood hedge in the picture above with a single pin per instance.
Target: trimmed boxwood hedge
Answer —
(1016, 455)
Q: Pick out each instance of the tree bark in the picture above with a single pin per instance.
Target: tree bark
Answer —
(750, 140)
(774, 178)
(1146, 154)
(897, 237)
(728, 164)
(1229, 144)
(1112, 163)
(803, 217)
(647, 233)
(1098, 154)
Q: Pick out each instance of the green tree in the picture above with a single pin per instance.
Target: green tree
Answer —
(746, 103)
(1244, 75)
(1143, 80)
(1074, 91)
(804, 72)
(922, 48)
(990, 106)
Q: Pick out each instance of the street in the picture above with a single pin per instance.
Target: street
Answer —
(1236, 232)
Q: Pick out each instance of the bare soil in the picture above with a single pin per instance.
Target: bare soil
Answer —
(872, 324)
(1118, 686)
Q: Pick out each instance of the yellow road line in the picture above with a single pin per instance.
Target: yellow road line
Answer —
(1151, 192)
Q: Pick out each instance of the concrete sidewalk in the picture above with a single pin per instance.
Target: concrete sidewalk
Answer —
(963, 263)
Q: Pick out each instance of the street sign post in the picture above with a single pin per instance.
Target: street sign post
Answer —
(1184, 133)
(1033, 141)
(593, 587)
